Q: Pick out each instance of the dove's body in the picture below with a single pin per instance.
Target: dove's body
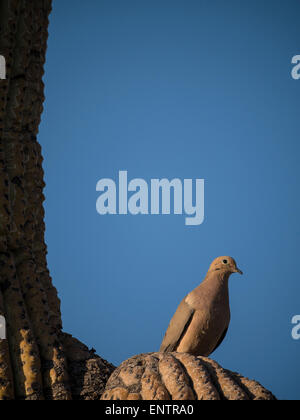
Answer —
(201, 321)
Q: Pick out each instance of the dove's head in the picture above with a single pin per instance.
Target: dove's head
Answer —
(226, 264)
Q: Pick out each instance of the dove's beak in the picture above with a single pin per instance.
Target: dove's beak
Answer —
(239, 271)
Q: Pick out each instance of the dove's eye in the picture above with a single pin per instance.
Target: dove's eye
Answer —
(225, 261)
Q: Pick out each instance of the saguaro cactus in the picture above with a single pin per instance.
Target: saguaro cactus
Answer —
(179, 376)
(33, 359)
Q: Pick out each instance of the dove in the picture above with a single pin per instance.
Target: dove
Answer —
(202, 319)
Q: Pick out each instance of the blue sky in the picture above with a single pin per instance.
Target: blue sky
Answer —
(197, 89)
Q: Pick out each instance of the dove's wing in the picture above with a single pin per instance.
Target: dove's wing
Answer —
(221, 339)
(177, 327)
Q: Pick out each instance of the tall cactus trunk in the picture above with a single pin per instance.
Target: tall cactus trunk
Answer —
(33, 362)
(30, 304)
